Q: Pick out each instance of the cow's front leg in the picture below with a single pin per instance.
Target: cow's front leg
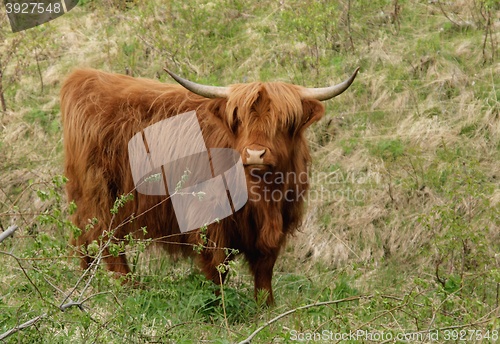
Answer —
(262, 266)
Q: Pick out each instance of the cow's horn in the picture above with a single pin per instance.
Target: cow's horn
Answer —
(201, 90)
(325, 93)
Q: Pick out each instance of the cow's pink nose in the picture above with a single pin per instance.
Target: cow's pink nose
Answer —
(255, 156)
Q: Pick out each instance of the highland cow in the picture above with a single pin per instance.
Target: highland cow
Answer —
(264, 121)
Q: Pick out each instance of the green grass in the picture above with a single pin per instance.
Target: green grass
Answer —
(405, 235)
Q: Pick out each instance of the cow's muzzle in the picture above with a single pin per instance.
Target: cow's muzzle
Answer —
(255, 157)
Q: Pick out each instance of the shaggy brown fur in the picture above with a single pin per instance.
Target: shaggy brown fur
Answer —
(102, 111)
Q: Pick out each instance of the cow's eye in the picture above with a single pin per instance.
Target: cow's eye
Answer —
(295, 127)
(236, 124)
(236, 121)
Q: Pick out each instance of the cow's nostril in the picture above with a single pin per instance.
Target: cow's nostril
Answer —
(255, 156)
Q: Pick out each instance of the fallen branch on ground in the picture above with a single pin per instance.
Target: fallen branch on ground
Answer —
(317, 304)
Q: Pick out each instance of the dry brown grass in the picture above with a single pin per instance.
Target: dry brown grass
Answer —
(386, 224)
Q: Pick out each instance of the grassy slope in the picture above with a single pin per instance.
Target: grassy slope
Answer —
(405, 200)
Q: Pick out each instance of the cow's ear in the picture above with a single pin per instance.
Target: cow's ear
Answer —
(313, 111)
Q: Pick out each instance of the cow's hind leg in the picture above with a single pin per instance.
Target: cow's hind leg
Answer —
(210, 263)
(79, 249)
(114, 263)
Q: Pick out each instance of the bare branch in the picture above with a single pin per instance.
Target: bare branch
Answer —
(446, 15)
(317, 304)
(22, 326)
(8, 232)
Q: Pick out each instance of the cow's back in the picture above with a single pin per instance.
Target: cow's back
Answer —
(101, 112)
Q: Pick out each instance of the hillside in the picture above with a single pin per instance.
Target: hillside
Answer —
(403, 219)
